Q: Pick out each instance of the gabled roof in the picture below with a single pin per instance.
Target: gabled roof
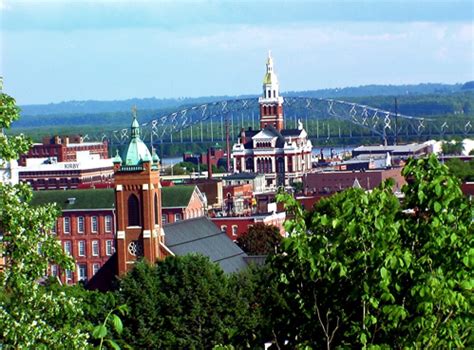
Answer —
(201, 236)
(176, 196)
(76, 199)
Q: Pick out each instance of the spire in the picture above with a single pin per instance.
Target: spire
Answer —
(135, 128)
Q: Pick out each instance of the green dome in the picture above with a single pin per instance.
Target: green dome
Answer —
(137, 151)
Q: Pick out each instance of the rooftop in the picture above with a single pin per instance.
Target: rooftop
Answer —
(176, 196)
(201, 236)
(76, 199)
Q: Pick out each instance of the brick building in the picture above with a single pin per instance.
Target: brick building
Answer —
(336, 181)
(86, 229)
(182, 202)
(65, 149)
(234, 226)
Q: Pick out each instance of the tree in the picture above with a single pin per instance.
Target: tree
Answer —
(30, 316)
(260, 239)
(180, 302)
(361, 270)
(454, 147)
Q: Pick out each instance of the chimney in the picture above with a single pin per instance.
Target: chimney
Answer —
(209, 164)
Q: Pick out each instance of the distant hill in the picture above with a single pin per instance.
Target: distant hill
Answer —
(98, 107)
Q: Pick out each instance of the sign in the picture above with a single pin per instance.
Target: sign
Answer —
(71, 166)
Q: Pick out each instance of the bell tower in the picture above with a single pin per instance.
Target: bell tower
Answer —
(138, 203)
(271, 103)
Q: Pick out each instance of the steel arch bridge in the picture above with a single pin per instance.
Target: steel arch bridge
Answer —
(208, 122)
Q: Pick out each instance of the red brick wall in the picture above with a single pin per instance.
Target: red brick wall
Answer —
(74, 236)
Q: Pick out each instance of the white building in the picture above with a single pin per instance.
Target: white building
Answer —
(282, 155)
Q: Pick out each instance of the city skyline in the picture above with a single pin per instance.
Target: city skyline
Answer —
(108, 50)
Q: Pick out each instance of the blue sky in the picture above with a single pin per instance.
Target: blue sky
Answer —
(52, 51)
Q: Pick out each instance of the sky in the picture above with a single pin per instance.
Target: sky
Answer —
(53, 51)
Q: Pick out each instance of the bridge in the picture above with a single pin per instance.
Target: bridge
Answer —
(324, 119)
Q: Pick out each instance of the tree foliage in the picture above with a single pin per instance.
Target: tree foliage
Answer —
(260, 239)
(364, 271)
(30, 316)
(178, 303)
(454, 147)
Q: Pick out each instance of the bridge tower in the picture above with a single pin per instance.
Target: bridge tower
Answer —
(271, 103)
(138, 203)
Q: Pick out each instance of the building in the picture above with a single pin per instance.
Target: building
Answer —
(256, 180)
(86, 229)
(215, 156)
(282, 155)
(65, 149)
(235, 226)
(201, 236)
(182, 202)
(138, 204)
(238, 199)
(47, 174)
(212, 190)
(335, 181)
(395, 151)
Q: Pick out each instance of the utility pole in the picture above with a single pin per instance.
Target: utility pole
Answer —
(227, 136)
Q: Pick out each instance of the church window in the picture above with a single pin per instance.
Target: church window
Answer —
(156, 209)
(274, 93)
(133, 211)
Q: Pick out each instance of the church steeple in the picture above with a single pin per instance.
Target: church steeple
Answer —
(271, 109)
(138, 203)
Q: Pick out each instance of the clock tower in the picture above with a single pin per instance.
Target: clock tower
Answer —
(138, 203)
(271, 103)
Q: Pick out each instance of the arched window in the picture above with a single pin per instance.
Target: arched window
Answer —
(133, 211)
(156, 209)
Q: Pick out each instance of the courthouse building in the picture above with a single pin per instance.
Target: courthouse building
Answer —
(282, 155)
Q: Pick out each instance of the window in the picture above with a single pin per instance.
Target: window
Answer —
(69, 276)
(80, 224)
(68, 247)
(234, 230)
(95, 248)
(224, 228)
(54, 270)
(164, 219)
(95, 268)
(94, 224)
(109, 247)
(133, 211)
(178, 217)
(82, 272)
(82, 248)
(53, 229)
(156, 208)
(108, 223)
(67, 224)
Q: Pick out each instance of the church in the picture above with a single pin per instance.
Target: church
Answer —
(282, 155)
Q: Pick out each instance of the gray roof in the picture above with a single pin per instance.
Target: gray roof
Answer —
(200, 235)
(410, 148)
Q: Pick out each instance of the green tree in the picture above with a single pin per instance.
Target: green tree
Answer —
(454, 147)
(260, 239)
(181, 302)
(362, 270)
(30, 316)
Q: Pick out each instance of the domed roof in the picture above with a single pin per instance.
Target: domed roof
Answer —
(137, 151)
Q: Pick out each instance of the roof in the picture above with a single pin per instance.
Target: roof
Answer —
(241, 176)
(410, 148)
(137, 151)
(201, 236)
(83, 199)
(176, 196)
(291, 132)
